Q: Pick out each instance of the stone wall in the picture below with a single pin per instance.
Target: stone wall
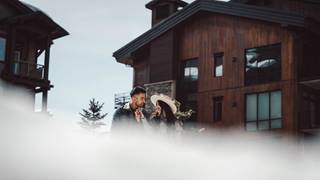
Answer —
(166, 87)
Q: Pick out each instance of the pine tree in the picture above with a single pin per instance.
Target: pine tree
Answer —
(91, 117)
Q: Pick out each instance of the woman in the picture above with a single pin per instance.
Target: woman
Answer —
(164, 117)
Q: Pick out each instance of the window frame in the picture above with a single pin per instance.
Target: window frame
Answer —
(257, 111)
(3, 36)
(214, 102)
(245, 64)
(184, 66)
(215, 56)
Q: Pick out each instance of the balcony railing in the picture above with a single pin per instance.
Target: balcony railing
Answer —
(27, 70)
(121, 99)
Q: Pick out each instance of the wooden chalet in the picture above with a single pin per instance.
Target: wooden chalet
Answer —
(26, 33)
(250, 65)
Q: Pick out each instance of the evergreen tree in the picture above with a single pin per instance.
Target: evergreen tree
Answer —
(91, 117)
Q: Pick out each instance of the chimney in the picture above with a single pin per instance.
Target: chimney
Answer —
(161, 9)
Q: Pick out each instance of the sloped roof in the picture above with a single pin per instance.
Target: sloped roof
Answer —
(245, 1)
(31, 7)
(29, 11)
(153, 2)
(235, 9)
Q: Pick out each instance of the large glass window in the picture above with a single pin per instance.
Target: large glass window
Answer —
(263, 64)
(191, 72)
(264, 111)
(218, 64)
(2, 49)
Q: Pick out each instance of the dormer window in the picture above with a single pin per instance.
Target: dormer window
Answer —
(162, 12)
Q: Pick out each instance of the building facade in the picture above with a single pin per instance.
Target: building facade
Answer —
(244, 65)
(26, 34)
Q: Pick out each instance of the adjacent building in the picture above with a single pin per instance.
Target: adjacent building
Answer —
(26, 33)
(250, 65)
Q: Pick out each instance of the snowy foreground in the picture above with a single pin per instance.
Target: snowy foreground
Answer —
(34, 147)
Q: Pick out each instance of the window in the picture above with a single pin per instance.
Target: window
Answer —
(264, 111)
(162, 12)
(217, 109)
(191, 72)
(2, 49)
(17, 66)
(218, 65)
(263, 64)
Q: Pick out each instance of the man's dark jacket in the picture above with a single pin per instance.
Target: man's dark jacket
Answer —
(124, 118)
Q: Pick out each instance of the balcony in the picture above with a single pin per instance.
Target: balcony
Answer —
(28, 74)
(27, 70)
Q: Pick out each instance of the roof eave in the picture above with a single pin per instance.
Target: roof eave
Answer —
(57, 30)
(236, 9)
(127, 60)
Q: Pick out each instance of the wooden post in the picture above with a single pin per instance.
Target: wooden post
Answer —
(46, 76)
(45, 101)
(47, 59)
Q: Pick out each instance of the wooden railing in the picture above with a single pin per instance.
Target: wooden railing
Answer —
(27, 69)
(121, 99)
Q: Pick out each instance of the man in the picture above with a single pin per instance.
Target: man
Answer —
(132, 114)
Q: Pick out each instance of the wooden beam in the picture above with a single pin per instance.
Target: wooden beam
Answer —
(47, 59)
(45, 101)
(46, 74)
(27, 81)
(39, 52)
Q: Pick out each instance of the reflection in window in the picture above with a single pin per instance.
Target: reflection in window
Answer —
(263, 64)
(191, 71)
(264, 111)
(2, 49)
(218, 64)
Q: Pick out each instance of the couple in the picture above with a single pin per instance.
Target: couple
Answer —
(133, 115)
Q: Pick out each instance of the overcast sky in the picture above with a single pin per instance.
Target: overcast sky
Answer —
(81, 64)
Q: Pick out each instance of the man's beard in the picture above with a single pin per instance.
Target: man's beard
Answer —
(142, 105)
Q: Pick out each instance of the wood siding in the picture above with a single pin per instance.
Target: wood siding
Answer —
(7, 10)
(207, 34)
(156, 62)
(162, 53)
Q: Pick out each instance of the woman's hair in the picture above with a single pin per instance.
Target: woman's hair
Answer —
(171, 118)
